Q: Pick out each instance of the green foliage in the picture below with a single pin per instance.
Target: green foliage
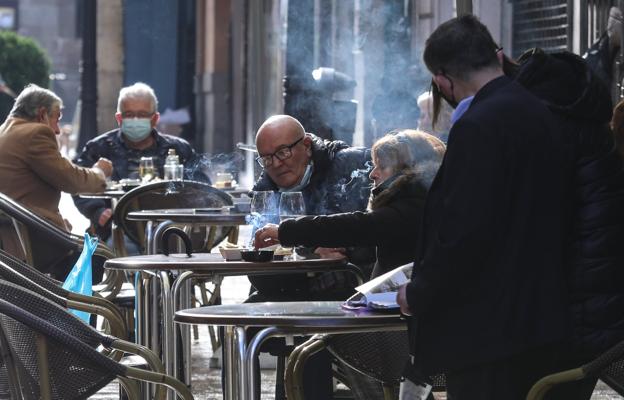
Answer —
(22, 61)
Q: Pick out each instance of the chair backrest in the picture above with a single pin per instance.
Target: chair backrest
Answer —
(40, 243)
(379, 355)
(167, 194)
(21, 268)
(48, 344)
(609, 367)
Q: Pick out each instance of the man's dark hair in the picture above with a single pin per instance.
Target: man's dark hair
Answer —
(459, 47)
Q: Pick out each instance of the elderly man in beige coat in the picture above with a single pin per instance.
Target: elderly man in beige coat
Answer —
(32, 169)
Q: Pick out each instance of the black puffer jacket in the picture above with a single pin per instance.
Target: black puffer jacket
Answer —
(596, 278)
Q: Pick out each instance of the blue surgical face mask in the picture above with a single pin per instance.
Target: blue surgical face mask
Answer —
(305, 179)
(136, 129)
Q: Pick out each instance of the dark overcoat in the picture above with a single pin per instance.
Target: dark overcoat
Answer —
(488, 281)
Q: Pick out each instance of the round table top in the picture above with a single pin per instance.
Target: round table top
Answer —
(214, 262)
(190, 215)
(107, 194)
(234, 191)
(318, 314)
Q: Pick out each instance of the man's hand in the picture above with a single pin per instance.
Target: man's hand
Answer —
(105, 216)
(401, 300)
(104, 165)
(266, 236)
(331, 252)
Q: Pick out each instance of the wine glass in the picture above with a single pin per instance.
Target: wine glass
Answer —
(146, 169)
(264, 208)
(291, 205)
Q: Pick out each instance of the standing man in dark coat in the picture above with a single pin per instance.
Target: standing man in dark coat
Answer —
(487, 297)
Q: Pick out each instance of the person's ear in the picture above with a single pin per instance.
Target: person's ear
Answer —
(42, 113)
(441, 81)
(307, 143)
(118, 118)
(155, 118)
(500, 55)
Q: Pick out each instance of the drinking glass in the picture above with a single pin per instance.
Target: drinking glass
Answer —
(291, 205)
(146, 169)
(264, 207)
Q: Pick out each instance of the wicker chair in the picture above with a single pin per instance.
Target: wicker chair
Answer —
(381, 356)
(608, 367)
(53, 355)
(40, 243)
(17, 272)
(167, 194)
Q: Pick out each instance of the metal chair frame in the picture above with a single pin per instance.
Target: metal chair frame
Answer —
(608, 367)
(43, 244)
(171, 194)
(50, 311)
(45, 331)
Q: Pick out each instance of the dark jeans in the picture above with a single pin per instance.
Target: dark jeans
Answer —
(509, 379)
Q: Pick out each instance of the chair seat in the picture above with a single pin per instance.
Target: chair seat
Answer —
(125, 297)
(134, 361)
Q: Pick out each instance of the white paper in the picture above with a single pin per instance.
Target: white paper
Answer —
(380, 293)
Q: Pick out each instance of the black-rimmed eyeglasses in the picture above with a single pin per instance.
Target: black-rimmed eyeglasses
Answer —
(282, 154)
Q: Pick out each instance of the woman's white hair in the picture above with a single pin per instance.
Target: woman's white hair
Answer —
(138, 91)
(31, 99)
(410, 151)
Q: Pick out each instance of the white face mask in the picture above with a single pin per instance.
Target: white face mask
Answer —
(136, 129)
(305, 179)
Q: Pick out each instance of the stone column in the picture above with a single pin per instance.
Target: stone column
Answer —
(212, 85)
(110, 56)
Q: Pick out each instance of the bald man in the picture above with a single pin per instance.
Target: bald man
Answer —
(333, 178)
(293, 160)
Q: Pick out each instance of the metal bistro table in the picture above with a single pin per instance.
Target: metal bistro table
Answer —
(153, 278)
(107, 194)
(278, 320)
(167, 217)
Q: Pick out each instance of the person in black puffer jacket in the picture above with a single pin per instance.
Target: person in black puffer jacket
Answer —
(572, 91)
(333, 178)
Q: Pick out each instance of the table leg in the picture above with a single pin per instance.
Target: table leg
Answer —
(251, 355)
(167, 327)
(143, 299)
(241, 347)
(181, 297)
(229, 368)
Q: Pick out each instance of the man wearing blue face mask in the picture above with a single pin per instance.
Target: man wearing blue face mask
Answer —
(137, 116)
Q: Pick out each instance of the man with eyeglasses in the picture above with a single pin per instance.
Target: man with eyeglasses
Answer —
(330, 174)
(137, 116)
(333, 178)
